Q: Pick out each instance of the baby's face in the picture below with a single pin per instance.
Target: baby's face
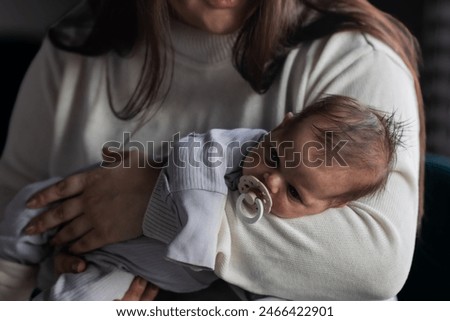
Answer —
(298, 185)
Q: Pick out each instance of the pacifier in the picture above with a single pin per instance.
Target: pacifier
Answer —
(254, 201)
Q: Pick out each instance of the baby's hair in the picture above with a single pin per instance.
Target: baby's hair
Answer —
(372, 139)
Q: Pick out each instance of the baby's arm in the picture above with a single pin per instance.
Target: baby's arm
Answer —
(187, 205)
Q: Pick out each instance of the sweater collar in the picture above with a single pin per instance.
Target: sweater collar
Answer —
(200, 46)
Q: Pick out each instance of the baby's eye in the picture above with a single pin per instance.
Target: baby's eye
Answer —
(293, 193)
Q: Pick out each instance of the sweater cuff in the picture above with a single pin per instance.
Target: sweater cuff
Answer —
(161, 221)
(196, 244)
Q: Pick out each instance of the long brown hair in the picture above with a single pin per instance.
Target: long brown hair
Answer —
(270, 31)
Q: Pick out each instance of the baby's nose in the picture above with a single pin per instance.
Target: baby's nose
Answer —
(273, 182)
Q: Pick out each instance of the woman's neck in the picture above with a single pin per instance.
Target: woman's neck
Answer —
(200, 46)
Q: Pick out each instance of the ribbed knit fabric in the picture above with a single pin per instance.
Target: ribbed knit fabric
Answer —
(198, 46)
(187, 208)
(164, 226)
(99, 283)
(62, 119)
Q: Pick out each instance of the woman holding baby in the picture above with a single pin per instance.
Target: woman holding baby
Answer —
(155, 68)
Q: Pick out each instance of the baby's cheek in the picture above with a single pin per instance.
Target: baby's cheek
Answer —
(247, 171)
(284, 210)
(252, 166)
(278, 207)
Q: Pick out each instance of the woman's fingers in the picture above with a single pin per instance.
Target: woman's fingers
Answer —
(136, 289)
(97, 207)
(66, 263)
(79, 226)
(140, 290)
(150, 293)
(65, 188)
(62, 213)
(90, 241)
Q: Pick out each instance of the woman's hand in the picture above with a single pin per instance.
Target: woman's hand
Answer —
(141, 290)
(97, 207)
(66, 263)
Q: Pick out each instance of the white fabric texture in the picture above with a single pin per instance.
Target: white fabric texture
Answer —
(17, 281)
(62, 119)
(187, 205)
(110, 269)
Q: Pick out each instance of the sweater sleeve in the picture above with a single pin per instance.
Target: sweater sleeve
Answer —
(362, 251)
(26, 156)
(188, 202)
(378, 246)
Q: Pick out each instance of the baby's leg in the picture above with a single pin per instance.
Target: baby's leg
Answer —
(97, 283)
(19, 253)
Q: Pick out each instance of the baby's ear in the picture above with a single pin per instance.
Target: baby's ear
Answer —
(287, 118)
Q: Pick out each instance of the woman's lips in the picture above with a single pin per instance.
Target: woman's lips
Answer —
(223, 4)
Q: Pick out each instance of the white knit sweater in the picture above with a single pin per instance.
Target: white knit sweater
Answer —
(62, 119)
